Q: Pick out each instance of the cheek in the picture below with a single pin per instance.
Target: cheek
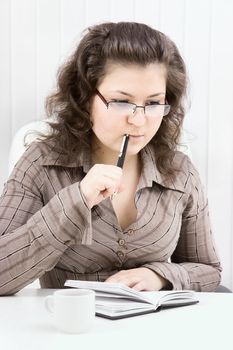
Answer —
(102, 124)
(154, 126)
(97, 118)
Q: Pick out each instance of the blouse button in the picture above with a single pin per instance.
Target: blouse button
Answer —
(121, 242)
(120, 254)
(130, 231)
(118, 265)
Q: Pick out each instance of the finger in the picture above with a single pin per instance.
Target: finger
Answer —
(115, 180)
(126, 280)
(133, 281)
(106, 184)
(110, 171)
(139, 286)
(116, 278)
(108, 193)
(112, 279)
(121, 188)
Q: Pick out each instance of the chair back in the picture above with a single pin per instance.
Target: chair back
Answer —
(18, 146)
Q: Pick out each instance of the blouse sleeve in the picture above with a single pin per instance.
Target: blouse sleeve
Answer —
(194, 264)
(33, 236)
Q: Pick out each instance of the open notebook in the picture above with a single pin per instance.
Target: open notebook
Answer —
(115, 300)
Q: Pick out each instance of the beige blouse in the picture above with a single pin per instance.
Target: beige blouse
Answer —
(47, 231)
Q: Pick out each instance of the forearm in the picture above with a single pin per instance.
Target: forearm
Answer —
(195, 276)
(25, 255)
(36, 247)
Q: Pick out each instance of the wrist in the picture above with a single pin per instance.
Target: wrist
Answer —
(165, 284)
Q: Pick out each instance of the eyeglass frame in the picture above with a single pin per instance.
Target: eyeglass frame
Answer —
(131, 103)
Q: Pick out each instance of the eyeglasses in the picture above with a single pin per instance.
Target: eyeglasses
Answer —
(122, 108)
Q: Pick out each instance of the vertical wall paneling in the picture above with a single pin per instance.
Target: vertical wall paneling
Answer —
(196, 53)
(121, 10)
(48, 50)
(5, 88)
(97, 14)
(220, 146)
(23, 62)
(172, 20)
(147, 12)
(73, 22)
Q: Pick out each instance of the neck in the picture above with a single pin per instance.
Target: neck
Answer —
(103, 155)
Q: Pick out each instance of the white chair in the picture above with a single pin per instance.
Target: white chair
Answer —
(186, 144)
(18, 147)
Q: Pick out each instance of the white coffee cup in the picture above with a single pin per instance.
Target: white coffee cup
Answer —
(73, 309)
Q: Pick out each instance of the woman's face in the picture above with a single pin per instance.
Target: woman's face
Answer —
(127, 83)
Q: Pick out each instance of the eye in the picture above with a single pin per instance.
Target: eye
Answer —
(152, 103)
(120, 101)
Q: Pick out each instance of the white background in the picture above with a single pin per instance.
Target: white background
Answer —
(37, 35)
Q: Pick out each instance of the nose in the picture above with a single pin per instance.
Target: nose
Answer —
(138, 117)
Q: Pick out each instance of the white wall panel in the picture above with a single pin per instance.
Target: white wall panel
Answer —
(23, 62)
(97, 14)
(48, 50)
(73, 22)
(147, 11)
(172, 20)
(196, 52)
(37, 35)
(220, 145)
(122, 10)
(5, 87)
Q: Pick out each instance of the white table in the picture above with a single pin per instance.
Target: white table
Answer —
(25, 324)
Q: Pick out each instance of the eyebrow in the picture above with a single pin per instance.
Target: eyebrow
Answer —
(127, 94)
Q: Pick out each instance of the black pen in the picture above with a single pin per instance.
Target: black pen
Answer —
(122, 154)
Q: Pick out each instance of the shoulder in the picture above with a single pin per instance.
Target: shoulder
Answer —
(183, 164)
(30, 164)
(37, 152)
(186, 172)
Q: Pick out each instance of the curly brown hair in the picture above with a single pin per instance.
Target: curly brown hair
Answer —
(123, 42)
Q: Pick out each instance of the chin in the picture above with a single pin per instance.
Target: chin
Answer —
(134, 150)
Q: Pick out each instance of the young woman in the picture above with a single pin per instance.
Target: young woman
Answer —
(69, 212)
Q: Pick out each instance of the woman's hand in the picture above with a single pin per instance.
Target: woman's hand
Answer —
(139, 279)
(101, 182)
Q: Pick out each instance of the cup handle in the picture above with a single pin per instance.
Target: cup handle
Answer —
(49, 303)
